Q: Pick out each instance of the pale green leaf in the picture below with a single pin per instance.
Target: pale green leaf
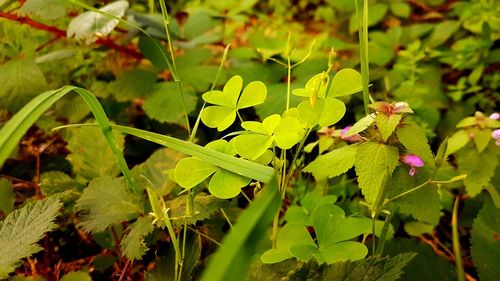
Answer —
(332, 111)
(288, 133)
(334, 163)
(90, 155)
(413, 138)
(271, 122)
(218, 98)
(204, 207)
(225, 184)
(107, 201)
(343, 251)
(219, 117)
(163, 104)
(345, 82)
(252, 146)
(485, 247)
(191, 171)
(22, 228)
(133, 246)
(360, 126)
(254, 93)
(89, 26)
(20, 81)
(457, 141)
(482, 138)
(374, 162)
(386, 124)
(256, 127)
(77, 276)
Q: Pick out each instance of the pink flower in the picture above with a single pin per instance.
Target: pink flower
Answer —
(495, 116)
(413, 161)
(352, 138)
(496, 136)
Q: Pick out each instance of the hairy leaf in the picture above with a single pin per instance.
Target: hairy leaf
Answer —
(204, 206)
(334, 163)
(22, 228)
(412, 136)
(133, 246)
(479, 168)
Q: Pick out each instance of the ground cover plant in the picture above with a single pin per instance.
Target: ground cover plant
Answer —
(249, 140)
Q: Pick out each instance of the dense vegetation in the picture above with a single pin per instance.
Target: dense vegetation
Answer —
(249, 140)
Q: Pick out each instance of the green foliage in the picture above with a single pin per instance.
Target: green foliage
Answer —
(374, 163)
(107, 201)
(133, 246)
(333, 163)
(22, 228)
(413, 138)
(485, 242)
(6, 196)
(46, 9)
(479, 168)
(77, 276)
(204, 206)
(132, 84)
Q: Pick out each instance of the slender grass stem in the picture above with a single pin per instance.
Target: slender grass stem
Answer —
(363, 51)
(226, 217)
(456, 241)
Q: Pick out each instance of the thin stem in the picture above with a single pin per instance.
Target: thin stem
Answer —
(226, 217)
(456, 241)
(299, 149)
(205, 236)
(408, 191)
(383, 235)
(363, 50)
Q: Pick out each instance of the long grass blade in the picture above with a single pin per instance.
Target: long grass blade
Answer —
(363, 51)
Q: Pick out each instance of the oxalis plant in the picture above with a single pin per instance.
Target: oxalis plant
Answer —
(395, 168)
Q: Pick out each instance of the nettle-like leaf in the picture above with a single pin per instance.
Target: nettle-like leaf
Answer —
(389, 116)
(374, 163)
(413, 138)
(107, 201)
(77, 276)
(192, 171)
(485, 242)
(333, 231)
(203, 208)
(423, 204)
(57, 182)
(333, 163)
(273, 131)
(227, 102)
(133, 246)
(479, 167)
(22, 228)
(323, 108)
(90, 154)
(89, 26)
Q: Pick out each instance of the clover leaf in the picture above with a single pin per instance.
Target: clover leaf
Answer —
(192, 171)
(333, 243)
(273, 131)
(227, 102)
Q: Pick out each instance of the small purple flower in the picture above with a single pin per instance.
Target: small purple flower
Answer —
(496, 136)
(413, 161)
(352, 138)
(495, 116)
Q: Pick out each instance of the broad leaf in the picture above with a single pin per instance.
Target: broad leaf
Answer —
(22, 228)
(457, 141)
(479, 168)
(374, 162)
(334, 163)
(46, 9)
(386, 124)
(191, 171)
(254, 94)
(345, 82)
(288, 133)
(203, 208)
(137, 83)
(133, 246)
(225, 184)
(413, 138)
(89, 26)
(107, 201)
(291, 234)
(361, 125)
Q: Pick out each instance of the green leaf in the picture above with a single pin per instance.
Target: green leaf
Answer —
(361, 125)
(191, 171)
(136, 83)
(288, 133)
(133, 246)
(203, 208)
(219, 117)
(46, 9)
(6, 197)
(485, 242)
(89, 26)
(481, 138)
(479, 168)
(107, 201)
(345, 82)
(22, 228)
(20, 81)
(423, 204)
(225, 184)
(400, 9)
(374, 162)
(90, 154)
(334, 163)
(254, 94)
(77, 276)
(413, 138)
(163, 103)
(333, 110)
(457, 141)
(386, 124)
(233, 258)
(442, 32)
(55, 182)
(315, 87)
(291, 234)
(252, 146)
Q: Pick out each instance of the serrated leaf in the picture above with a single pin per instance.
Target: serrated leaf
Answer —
(332, 164)
(191, 171)
(345, 82)
(20, 81)
(22, 228)
(136, 83)
(203, 208)
(77, 276)
(386, 124)
(89, 26)
(413, 138)
(485, 241)
(133, 246)
(6, 196)
(90, 154)
(107, 201)
(374, 162)
(54, 182)
(479, 168)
